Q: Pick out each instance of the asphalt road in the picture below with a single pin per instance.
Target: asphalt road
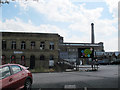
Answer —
(105, 77)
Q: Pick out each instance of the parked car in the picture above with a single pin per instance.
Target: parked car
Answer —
(15, 76)
(117, 61)
(103, 62)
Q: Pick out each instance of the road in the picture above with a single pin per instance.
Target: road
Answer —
(105, 77)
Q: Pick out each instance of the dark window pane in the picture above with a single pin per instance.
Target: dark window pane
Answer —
(51, 46)
(32, 45)
(51, 57)
(3, 44)
(42, 57)
(42, 45)
(23, 46)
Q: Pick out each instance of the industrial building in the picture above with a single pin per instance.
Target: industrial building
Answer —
(44, 49)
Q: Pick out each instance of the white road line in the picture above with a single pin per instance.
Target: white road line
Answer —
(69, 86)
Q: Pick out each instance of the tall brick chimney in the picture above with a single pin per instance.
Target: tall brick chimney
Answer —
(92, 33)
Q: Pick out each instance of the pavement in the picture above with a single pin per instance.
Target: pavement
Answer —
(105, 77)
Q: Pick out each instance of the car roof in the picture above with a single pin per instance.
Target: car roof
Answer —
(8, 65)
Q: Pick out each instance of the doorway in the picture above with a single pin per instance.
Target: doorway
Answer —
(32, 62)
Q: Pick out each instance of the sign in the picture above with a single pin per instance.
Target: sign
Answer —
(18, 52)
(85, 52)
(51, 62)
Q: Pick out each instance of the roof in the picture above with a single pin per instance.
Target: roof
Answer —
(81, 44)
(27, 33)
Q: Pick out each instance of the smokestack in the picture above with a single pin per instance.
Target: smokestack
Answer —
(92, 33)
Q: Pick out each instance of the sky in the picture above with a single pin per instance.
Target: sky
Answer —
(69, 18)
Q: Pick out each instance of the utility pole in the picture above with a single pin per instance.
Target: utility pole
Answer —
(92, 42)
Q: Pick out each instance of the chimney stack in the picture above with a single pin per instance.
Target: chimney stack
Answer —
(92, 33)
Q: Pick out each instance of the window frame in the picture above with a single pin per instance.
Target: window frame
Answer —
(24, 60)
(42, 45)
(12, 60)
(52, 46)
(13, 44)
(9, 70)
(13, 71)
(51, 57)
(4, 45)
(23, 45)
(32, 44)
(43, 57)
(3, 60)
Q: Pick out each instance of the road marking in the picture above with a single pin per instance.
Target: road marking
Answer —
(69, 86)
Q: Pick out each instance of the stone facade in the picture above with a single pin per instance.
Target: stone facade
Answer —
(32, 49)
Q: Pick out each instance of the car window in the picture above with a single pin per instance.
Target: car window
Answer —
(15, 69)
(4, 72)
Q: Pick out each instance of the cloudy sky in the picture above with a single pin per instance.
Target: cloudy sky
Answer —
(69, 18)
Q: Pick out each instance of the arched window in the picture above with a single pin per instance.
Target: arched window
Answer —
(12, 59)
(42, 57)
(3, 59)
(23, 60)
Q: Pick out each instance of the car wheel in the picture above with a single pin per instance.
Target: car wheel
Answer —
(28, 84)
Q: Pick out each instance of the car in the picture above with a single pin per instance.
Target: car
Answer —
(15, 77)
(103, 62)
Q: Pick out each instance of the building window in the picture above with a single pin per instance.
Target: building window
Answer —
(51, 61)
(23, 60)
(3, 59)
(51, 46)
(51, 57)
(32, 45)
(42, 57)
(23, 45)
(13, 45)
(42, 45)
(12, 59)
(3, 44)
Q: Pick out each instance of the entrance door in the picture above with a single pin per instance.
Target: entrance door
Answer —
(32, 62)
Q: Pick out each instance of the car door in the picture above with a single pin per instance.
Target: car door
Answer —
(17, 77)
(5, 74)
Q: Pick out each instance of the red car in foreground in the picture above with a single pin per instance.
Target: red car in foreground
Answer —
(15, 76)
